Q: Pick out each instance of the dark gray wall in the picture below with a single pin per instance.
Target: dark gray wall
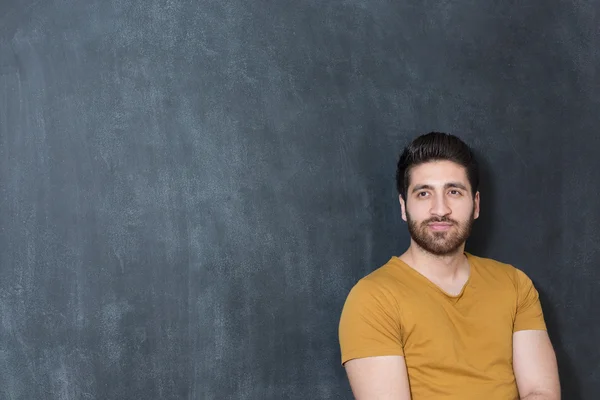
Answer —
(188, 190)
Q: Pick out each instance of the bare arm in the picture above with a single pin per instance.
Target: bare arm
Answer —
(378, 378)
(534, 364)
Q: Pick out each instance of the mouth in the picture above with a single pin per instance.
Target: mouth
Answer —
(439, 226)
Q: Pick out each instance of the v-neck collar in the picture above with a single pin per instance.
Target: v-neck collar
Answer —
(449, 296)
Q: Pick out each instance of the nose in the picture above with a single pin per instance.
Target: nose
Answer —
(440, 206)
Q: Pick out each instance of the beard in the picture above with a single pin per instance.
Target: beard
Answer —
(440, 243)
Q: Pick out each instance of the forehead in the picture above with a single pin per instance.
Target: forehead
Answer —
(438, 172)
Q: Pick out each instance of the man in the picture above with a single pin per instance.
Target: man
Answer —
(438, 322)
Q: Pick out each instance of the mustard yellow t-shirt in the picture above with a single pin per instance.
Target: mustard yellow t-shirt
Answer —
(455, 347)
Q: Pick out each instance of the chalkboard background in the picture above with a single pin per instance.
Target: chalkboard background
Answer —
(188, 190)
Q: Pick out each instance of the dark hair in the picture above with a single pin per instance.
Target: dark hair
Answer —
(436, 146)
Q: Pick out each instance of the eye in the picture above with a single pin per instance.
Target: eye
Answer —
(455, 192)
(420, 194)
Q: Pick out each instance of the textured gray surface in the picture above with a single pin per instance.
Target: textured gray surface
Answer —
(188, 190)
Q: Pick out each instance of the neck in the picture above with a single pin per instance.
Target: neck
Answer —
(444, 267)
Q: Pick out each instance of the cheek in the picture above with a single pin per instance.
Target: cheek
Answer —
(464, 211)
(418, 212)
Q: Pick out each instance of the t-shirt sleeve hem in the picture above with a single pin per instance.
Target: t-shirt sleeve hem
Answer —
(371, 353)
(530, 327)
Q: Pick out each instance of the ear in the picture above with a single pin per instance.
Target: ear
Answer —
(402, 206)
(476, 204)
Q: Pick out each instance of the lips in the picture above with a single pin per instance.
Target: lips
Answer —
(439, 226)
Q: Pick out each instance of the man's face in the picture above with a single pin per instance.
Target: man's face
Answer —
(439, 206)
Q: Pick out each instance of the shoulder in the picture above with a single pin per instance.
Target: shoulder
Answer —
(383, 284)
(500, 271)
(388, 277)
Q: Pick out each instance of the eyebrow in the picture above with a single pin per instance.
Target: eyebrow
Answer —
(446, 186)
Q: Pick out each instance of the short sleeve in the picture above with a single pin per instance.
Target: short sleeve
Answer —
(529, 313)
(369, 324)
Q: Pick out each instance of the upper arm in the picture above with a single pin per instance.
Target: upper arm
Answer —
(529, 314)
(371, 345)
(370, 324)
(378, 378)
(534, 363)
